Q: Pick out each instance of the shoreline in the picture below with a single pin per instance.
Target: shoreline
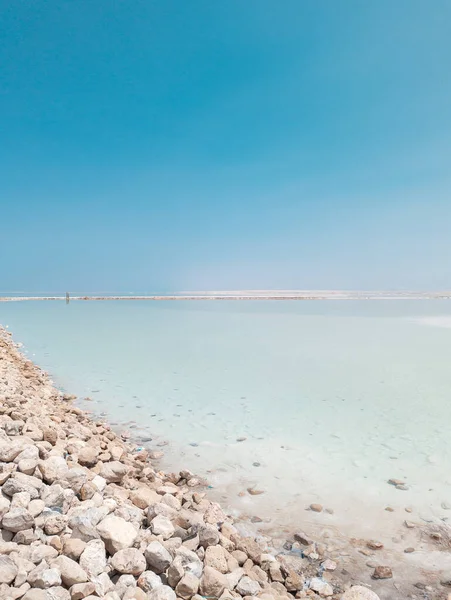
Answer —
(302, 565)
(268, 295)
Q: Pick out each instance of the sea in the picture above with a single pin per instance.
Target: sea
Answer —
(278, 405)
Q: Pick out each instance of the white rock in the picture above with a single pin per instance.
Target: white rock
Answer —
(93, 558)
(359, 592)
(212, 583)
(99, 482)
(103, 584)
(44, 577)
(215, 557)
(144, 497)
(149, 580)
(248, 587)
(163, 592)
(113, 472)
(81, 590)
(53, 468)
(162, 526)
(8, 569)
(36, 507)
(157, 557)
(187, 586)
(58, 593)
(71, 572)
(116, 533)
(17, 519)
(129, 560)
(321, 587)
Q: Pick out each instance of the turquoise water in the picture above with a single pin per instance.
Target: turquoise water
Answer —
(333, 397)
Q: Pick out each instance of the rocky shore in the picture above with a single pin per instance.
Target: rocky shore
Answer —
(86, 515)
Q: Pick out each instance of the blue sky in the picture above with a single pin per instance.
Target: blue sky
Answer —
(172, 145)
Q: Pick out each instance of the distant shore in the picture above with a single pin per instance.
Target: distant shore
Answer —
(247, 295)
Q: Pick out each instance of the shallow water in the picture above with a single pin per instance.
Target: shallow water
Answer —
(333, 397)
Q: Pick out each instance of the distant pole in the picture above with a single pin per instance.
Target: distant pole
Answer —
(67, 297)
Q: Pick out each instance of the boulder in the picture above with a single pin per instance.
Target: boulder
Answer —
(8, 569)
(93, 558)
(187, 586)
(213, 583)
(79, 591)
(17, 519)
(157, 557)
(130, 561)
(161, 525)
(71, 571)
(163, 592)
(149, 580)
(53, 468)
(248, 587)
(113, 472)
(117, 533)
(143, 497)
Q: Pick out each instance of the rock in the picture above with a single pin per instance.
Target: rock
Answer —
(215, 557)
(43, 577)
(39, 553)
(25, 537)
(208, 536)
(409, 550)
(321, 587)
(248, 587)
(396, 482)
(103, 583)
(73, 548)
(316, 507)
(36, 507)
(144, 497)
(162, 526)
(163, 592)
(14, 485)
(250, 547)
(157, 557)
(130, 561)
(8, 569)
(17, 519)
(358, 592)
(240, 556)
(149, 580)
(113, 472)
(88, 456)
(116, 533)
(187, 586)
(79, 591)
(214, 514)
(382, 573)
(53, 468)
(329, 565)
(71, 572)
(93, 558)
(134, 594)
(212, 583)
(35, 594)
(374, 545)
(55, 524)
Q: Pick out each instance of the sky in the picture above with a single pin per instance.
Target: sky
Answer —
(163, 145)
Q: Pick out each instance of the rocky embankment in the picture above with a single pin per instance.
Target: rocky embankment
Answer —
(84, 515)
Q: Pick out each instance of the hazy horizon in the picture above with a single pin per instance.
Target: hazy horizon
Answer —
(173, 146)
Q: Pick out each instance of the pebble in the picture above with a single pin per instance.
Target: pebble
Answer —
(374, 545)
(382, 573)
(316, 508)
